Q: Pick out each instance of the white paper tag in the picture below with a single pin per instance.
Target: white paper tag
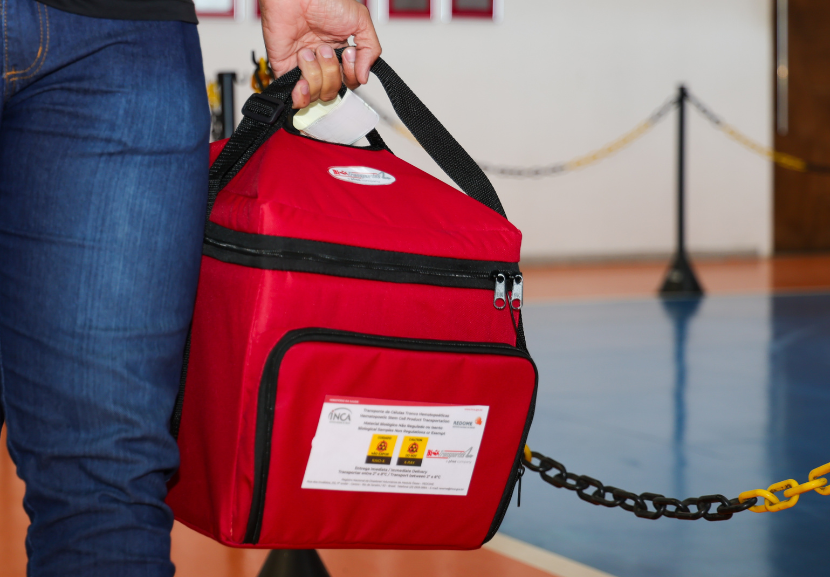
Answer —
(343, 120)
(381, 446)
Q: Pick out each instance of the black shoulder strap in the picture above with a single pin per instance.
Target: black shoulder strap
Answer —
(265, 113)
(439, 144)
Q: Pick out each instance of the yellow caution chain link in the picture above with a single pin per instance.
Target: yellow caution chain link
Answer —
(792, 491)
(780, 158)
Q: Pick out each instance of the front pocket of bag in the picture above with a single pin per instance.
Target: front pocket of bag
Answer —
(311, 370)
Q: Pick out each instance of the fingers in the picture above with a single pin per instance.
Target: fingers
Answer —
(307, 89)
(321, 76)
(349, 73)
(300, 95)
(332, 80)
(368, 46)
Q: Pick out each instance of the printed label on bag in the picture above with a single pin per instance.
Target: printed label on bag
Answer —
(361, 175)
(381, 446)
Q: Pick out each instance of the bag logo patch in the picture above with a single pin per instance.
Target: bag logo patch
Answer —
(361, 175)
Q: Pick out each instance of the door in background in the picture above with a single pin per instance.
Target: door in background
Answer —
(802, 200)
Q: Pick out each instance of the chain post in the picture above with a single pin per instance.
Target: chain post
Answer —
(293, 563)
(681, 280)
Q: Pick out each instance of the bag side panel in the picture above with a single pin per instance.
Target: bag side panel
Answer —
(201, 492)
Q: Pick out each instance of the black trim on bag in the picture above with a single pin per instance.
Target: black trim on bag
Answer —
(266, 403)
(301, 255)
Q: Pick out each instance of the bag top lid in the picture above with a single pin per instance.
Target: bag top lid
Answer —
(294, 186)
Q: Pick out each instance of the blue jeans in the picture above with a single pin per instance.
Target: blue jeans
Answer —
(103, 182)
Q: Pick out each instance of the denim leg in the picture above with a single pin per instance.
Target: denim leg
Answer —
(103, 180)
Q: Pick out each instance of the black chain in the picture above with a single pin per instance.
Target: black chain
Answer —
(690, 509)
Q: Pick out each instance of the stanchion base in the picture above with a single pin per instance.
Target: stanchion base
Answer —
(293, 563)
(681, 280)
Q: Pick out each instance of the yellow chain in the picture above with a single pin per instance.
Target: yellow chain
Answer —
(580, 161)
(780, 158)
(609, 149)
(792, 491)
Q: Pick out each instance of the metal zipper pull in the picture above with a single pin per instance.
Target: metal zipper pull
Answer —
(501, 291)
(516, 293)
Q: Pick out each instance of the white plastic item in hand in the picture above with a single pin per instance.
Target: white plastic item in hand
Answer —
(342, 120)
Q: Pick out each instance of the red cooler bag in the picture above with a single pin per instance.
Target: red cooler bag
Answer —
(356, 374)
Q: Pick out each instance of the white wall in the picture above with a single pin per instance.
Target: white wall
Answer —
(559, 78)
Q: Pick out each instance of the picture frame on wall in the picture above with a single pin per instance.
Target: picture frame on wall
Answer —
(216, 8)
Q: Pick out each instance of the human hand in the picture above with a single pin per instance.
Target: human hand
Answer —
(304, 33)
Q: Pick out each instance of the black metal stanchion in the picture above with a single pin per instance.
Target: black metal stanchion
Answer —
(681, 279)
(293, 563)
(226, 82)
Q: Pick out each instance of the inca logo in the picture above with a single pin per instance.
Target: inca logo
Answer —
(382, 446)
(478, 420)
(341, 416)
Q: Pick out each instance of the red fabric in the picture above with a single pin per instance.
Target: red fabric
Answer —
(285, 190)
(242, 313)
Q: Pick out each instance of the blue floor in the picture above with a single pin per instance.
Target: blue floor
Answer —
(685, 399)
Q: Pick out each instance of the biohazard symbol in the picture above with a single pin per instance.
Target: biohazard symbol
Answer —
(413, 448)
(381, 446)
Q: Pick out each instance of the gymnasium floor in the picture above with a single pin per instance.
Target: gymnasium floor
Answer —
(681, 398)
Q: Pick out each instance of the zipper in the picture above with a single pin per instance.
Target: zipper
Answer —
(516, 292)
(500, 296)
(283, 253)
(268, 395)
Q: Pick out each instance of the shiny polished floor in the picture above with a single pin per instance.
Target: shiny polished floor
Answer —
(683, 398)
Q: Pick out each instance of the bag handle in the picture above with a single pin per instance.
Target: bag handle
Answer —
(265, 113)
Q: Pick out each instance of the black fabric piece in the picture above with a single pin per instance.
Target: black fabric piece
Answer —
(182, 10)
(267, 398)
(376, 141)
(520, 335)
(301, 255)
